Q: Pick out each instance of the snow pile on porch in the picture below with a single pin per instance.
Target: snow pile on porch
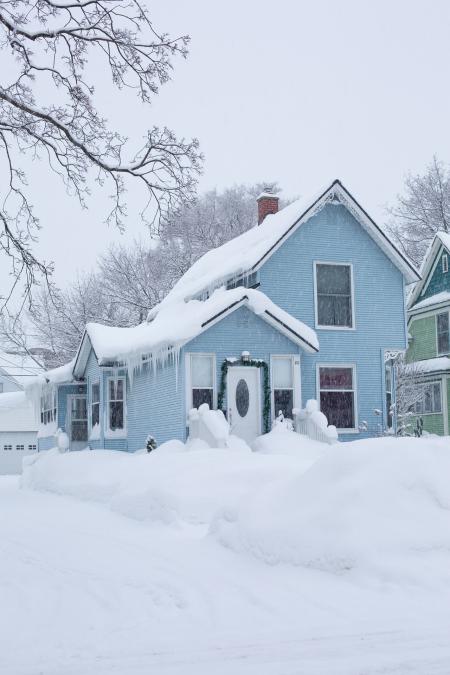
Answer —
(179, 322)
(377, 507)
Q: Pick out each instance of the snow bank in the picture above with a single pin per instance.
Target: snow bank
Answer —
(377, 508)
(361, 507)
(175, 483)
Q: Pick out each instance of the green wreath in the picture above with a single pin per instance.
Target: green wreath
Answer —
(266, 386)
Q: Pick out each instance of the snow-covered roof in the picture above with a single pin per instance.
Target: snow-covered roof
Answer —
(428, 264)
(445, 239)
(62, 374)
(436, 299)
(179, 322)
(17, 412)
(248, 251)
(436, 365)
(18, 368)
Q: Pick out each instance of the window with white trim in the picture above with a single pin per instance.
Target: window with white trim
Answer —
(202, 379)
(31, 448)
(95, 403)
(116, 403)
(431, 399)
(334, 295)
(388, 389)
(48, 405)
(443, 334)
(337, 395)
(283, 385)
(445, 263)
(7, 447)
(20, 447)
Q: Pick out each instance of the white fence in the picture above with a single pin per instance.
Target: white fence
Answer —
(312, 423)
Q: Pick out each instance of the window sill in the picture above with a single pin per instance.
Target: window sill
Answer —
(115, 434)
(427, 414)
(346, 328)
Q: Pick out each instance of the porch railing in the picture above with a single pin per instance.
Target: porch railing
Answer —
(310, 422)
(209, 426)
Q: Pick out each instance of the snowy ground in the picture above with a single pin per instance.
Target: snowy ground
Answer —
(210, 563)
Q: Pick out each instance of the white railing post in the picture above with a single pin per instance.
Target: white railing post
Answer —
(209, 426)
(313, 423)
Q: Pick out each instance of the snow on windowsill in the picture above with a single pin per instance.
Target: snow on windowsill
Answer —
(116, 433)
(95, 433)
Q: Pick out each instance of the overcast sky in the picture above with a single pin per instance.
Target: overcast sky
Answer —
(299, 92)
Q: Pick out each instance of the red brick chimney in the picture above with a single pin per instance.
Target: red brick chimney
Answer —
(267, 204)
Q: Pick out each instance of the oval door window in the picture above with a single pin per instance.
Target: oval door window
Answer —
(242, 398)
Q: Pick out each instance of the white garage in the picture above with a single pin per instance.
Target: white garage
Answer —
(18, 431)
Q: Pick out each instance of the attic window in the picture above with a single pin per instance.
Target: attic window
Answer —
(445, 263)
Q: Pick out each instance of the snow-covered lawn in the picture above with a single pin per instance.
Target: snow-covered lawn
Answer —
(288, 561)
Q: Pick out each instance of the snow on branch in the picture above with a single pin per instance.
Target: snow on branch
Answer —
(47, 47)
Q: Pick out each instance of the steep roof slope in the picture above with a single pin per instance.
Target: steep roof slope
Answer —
(248, 251)
(441, 239)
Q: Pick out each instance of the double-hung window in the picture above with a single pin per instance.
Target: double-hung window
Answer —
(48, 406)
(442, 328)
(283, 385)
(445, 263)
(116, 403)
(95, 404)
(431, 399)
(388, 388)
(337, 395)
(202, 379)
(334, 303)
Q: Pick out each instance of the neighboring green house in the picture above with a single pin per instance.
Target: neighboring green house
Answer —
(429, 343)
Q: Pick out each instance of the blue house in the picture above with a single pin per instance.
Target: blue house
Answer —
(308, 304)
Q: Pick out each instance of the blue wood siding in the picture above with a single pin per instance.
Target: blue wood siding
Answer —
(440, 281)
(156, 402)
(242, 331)
(63, 391)
(288, 279)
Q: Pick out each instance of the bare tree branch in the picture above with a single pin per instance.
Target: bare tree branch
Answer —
(47, 46)
(422, 211)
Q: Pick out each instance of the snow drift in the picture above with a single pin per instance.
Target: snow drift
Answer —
(363, 506)
(176, 483)
(373, 507)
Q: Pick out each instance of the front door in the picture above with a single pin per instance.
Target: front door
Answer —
(244, 408)
(77, 422)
